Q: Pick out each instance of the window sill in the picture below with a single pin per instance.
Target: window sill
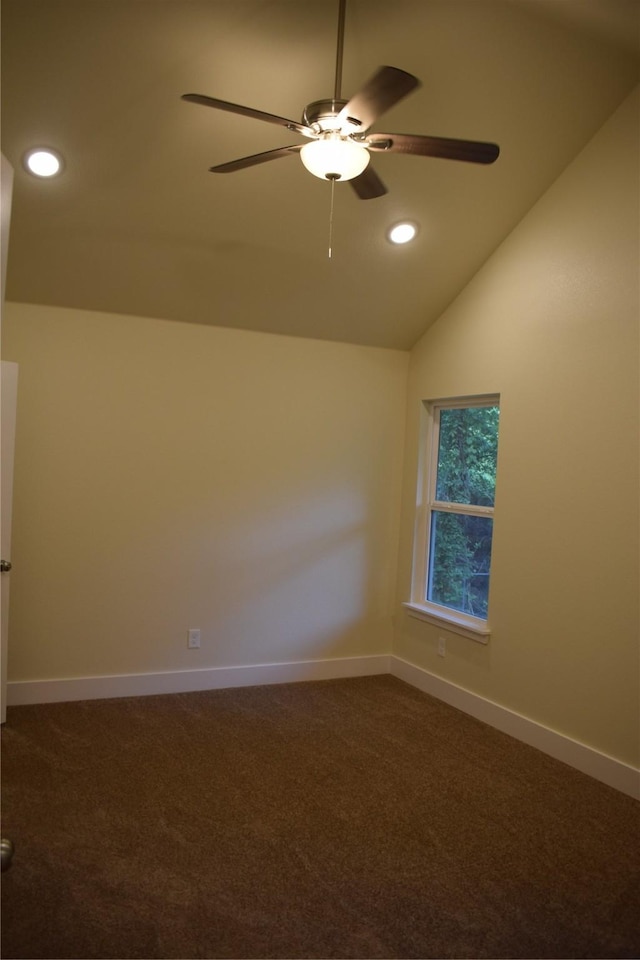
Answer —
(476, 630)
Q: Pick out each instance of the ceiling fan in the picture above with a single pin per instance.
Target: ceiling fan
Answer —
(339, 146)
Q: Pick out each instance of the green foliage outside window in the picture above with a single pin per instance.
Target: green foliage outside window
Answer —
(460, 543)
(467, 455)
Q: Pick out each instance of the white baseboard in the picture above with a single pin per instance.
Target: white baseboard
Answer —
(602, 767)
(23, 692)
(608, 770)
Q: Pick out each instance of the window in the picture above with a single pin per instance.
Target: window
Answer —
(454, 524)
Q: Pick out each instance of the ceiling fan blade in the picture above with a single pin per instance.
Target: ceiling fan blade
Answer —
(255, 159)
(247, 112)
(473, 151)
(385, 88)
(368, 185)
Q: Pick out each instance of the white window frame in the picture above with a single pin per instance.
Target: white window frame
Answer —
(453, 620)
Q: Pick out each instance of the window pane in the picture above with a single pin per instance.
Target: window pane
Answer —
(459, 562)
(467, 453)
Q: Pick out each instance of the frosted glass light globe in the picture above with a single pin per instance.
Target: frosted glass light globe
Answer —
(334, 158)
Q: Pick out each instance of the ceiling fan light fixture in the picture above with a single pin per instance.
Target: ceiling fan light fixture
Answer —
(334, 158)
(43, 162)
(402, 232)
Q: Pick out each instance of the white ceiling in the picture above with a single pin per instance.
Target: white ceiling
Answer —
(137, 224)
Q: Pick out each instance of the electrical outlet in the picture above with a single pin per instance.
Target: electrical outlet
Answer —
(193, 639)
(442, 646)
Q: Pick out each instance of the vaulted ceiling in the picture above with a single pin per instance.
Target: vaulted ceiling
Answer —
(137, 224)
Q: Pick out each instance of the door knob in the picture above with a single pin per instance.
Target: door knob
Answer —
(5, 566)
(6, 852)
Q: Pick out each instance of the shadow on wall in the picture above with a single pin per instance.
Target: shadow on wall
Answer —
(302, 580)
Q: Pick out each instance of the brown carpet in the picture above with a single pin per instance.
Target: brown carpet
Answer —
(348, 818)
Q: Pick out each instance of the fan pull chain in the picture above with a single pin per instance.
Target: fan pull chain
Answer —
(333, 186)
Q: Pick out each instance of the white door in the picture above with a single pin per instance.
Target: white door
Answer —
(8, 396)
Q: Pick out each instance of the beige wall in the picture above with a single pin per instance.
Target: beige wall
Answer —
(551, 323)
(172, 476)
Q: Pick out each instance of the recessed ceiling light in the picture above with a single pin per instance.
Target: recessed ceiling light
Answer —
(402, 232)
(43, 162)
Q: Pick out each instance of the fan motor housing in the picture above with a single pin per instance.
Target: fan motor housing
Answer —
(321, 114)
